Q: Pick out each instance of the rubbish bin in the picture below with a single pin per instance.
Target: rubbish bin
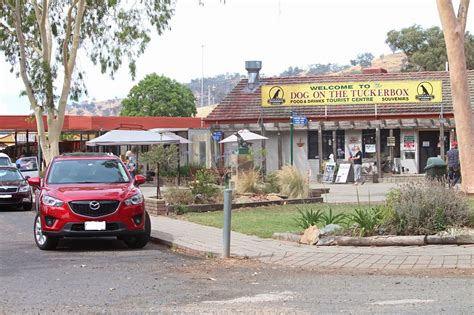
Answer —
(435, 168)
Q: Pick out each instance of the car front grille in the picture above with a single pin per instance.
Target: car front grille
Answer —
(8, 189)
(88, 208)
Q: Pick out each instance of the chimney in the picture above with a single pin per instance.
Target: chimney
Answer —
(253, 69)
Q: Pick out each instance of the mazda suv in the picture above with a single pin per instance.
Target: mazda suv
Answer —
(84, 195)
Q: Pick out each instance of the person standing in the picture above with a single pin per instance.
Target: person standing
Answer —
(131, 163)
(454, 166)
(357, 159)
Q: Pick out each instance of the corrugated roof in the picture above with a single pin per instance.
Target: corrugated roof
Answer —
(242, 105)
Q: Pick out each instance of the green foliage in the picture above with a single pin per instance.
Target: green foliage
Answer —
(271, 183)
(426, 208)
(159, 96)
(367, 220)
(204, 184)
(292, 182)
(364, 60)
(181, 209)
(307, 217)
(110, 33)
(426, 48)
(248, 182)
(179, 196)
(162, 155)
(329, 218)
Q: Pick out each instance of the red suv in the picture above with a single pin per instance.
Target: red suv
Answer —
(85, 195)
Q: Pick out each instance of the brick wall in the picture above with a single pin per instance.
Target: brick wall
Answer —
(156, 206)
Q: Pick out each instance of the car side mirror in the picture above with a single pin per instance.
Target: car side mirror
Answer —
(34, 182)
(139, 179)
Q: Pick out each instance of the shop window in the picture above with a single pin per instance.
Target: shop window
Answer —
(327, 144)
(340, 144)
(368, 143)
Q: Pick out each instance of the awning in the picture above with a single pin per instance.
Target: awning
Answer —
(132, 137)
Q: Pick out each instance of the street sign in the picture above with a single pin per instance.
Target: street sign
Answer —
(300, 120)
(217, 135)
(390, 141)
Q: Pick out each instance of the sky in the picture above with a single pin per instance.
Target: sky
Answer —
(217, 38)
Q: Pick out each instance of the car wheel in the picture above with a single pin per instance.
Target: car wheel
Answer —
(27, 206)
(43, 241)
(139, 241)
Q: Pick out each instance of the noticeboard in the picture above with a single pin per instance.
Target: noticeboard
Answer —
(329, 172)
(344, 173)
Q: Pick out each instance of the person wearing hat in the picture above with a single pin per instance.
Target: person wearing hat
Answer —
(454, 167)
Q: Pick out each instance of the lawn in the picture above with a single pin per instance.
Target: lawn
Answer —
(264, 221)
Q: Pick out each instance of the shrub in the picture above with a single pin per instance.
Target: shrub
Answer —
(181, 209)
(248, 182)
(329, 218)
(178, 196)
(204, 185)
(367, 220)
(426, 208)
(271, 183)
(308, 217)
(292, 183)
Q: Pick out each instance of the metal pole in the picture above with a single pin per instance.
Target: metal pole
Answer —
(227, 221)
(291, 138)
(202, 76)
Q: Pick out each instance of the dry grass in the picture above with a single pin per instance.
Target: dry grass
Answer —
(292, 182)
(248, 182)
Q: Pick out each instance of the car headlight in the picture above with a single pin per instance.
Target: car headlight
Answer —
(134, 200)
(25, 188)
(51, 201)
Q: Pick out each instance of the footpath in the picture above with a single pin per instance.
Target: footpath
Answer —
(203, 240)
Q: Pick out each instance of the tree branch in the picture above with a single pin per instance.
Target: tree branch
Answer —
(462, 14)
(67, 37)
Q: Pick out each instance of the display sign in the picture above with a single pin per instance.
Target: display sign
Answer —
(329, 170)
(343, 173)
(370, 148)
(390, 141)
(337, 93)
(300, 120)
(409, 141)
(217, 135)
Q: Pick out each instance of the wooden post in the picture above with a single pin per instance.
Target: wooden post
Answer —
(320, 147)
(334, 145)
(280, 153)
(379, 161)
(392, 149)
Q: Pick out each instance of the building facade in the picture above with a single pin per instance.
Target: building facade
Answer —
(398, 120)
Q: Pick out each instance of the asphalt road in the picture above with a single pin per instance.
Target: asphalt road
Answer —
(103, 276)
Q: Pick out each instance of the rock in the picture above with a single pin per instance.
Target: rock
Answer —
(310, 236)
(290, 237)
(327, 241)
(330, 228)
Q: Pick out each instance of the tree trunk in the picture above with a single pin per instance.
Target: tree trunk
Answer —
(463, 113)
(158, 192)
(415, 240)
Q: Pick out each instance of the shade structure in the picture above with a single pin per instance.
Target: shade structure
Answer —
(245, 134)
(173, 136)
(132, 137)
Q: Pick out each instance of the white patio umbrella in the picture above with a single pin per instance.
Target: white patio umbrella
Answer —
(131, 137)
(245, 134)
(173, 136)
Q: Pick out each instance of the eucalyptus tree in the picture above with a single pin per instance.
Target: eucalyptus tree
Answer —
(41, 40)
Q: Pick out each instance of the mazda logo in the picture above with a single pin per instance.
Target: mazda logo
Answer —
(94, 205)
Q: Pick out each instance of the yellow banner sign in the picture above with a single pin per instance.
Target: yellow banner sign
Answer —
(377, 92)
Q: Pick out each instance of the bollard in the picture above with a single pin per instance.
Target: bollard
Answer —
(227, 217)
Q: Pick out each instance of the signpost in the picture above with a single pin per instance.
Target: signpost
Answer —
(295, 120)
(217, 135)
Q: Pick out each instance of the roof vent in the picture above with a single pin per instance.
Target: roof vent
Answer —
(253, 69)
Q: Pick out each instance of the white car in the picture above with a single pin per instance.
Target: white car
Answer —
(28, 166)
(5, 160)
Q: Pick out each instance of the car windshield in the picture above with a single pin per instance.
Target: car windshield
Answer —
(10, 175)
(4, 161)
(87, 171)
(27, 164)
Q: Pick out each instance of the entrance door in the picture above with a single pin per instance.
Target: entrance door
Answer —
(428, 147)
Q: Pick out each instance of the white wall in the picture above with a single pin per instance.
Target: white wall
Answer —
(410, 164)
